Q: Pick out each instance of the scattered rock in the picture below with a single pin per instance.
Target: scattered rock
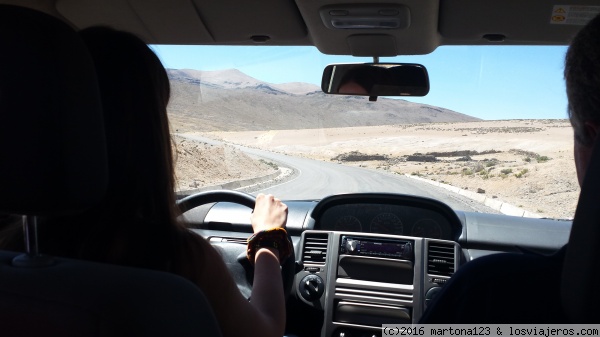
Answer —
(523, 153)
(502, 129)
(461, 153)
(421, 158)
(358, 156)
(480, 190)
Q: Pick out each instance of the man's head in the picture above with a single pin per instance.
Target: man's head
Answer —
(582, 76)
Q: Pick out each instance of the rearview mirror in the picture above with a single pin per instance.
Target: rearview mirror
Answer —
(376, 79)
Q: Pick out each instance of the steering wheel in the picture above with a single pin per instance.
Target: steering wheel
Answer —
(234, 254)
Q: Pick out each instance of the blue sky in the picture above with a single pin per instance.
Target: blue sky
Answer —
(493, 82)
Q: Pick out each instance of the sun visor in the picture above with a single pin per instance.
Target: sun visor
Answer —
(514, 22)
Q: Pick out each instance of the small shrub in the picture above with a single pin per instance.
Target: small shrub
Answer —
(484, 174)
(527, 159)
(542, 159)
(467, 172)
(273, 165)
(506, 171)
(522, 173)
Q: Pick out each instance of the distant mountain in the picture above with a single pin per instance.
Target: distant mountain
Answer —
(225, 79)
(297, 88)
(229, 100)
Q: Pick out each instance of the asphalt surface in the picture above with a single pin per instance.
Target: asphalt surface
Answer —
(315, 179)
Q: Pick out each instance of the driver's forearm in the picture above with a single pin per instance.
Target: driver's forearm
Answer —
(267, 290)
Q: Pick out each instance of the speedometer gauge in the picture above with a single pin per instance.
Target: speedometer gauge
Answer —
(348, 223)
(386, 223)
(427, 228)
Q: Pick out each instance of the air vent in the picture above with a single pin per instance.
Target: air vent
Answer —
(440, 259)
(315, 248)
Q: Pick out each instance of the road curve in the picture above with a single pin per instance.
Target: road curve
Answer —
(317, 179)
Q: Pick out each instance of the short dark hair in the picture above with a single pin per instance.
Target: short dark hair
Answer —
(582, 76)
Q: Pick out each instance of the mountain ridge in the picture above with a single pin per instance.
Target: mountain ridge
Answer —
(229, 100)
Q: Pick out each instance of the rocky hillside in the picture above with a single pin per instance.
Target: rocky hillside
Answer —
(230, 100)
(199, 165)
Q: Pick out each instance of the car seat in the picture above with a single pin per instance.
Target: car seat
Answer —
(53, 156)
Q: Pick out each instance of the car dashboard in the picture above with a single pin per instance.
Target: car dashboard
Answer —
(364, 260)
(387, 214)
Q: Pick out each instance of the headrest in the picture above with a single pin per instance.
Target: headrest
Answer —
(52, 148)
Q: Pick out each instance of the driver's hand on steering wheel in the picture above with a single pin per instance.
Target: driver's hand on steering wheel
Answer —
(268, 222)
(269, 212)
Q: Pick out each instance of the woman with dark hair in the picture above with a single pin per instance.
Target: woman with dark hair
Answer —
(136, 224)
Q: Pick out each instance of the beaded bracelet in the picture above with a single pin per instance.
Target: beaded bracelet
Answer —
(271, 238)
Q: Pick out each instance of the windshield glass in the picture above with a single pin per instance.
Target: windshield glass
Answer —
(491, 136)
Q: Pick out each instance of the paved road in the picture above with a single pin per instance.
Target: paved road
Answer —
(317, 179)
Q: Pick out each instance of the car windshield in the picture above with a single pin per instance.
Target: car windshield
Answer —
(491, 136)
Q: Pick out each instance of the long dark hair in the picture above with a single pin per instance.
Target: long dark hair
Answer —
(138, 213)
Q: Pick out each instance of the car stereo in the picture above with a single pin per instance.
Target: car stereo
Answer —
(377, 247)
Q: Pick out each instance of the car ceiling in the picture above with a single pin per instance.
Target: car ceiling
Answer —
(423, 25)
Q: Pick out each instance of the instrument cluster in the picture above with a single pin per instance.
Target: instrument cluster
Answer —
(380, 218)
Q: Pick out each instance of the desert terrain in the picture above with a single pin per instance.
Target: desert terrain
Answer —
(528, 163)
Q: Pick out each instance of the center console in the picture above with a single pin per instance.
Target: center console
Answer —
(362, 281)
